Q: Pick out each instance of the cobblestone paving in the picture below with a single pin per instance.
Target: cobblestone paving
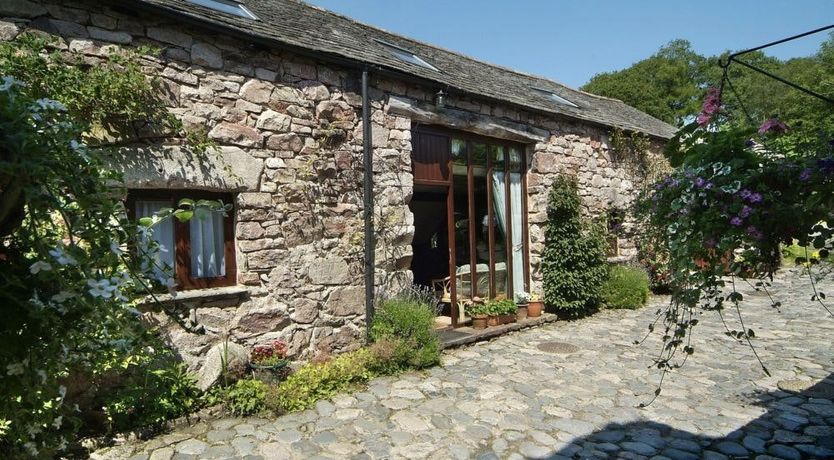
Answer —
(507, 399)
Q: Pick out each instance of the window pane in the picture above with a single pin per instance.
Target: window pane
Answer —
(515, 160)
(162, 233)
(207, 246)
(459, 151)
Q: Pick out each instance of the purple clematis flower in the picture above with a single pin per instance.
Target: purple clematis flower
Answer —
(754, 232)
(755, 198)
(737, 221)
(745, 194)
(805, 174)
(700, 182)
(745, 212)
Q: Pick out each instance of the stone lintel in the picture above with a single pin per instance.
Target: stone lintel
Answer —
(422, 112)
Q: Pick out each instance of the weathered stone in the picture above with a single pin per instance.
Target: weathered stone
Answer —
(256, 91)
(274, 121)
(301, 70)
(329, 271)
(230, 168)
(269, 318)
(235, 134)
(249, 230)
(8, 31)
(171, 36)
(96, 33)
(227, 356)
(335, 111)
(21, 9)
(346, 301)
(206, 55)
(59, 27)
(291, 142)
(305, 311)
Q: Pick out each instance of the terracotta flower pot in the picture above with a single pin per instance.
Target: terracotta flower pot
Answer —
(479, 321)
(534, 309)
(521, 313)
(506, 319)
(492, 320)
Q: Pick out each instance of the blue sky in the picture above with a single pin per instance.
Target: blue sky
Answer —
(570, 41)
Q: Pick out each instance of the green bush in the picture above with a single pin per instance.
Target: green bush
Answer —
(315, 381)
(626, 287)
(574, 256)
(246, 397)
(146, 395)
(411, 323)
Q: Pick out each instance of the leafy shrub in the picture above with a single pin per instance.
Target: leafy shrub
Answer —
(573, 260)
(246, 397)
(315, 381)
(626, 287)
(146, 394)
(412, 323)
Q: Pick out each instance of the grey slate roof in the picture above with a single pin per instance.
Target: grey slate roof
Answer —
(299, 25)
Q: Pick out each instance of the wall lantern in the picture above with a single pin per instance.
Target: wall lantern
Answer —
(440, 99)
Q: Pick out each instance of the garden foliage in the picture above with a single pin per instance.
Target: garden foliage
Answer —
(71, 341)
(626, 287)
(410, 325)
(574, 257)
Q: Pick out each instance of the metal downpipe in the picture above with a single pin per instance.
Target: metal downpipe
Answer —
(368, 192)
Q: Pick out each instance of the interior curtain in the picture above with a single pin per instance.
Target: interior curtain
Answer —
(518, 233)
(499, 200)
(163, 234)
(207, 246)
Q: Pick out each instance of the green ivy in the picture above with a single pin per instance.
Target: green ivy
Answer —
(574, 257)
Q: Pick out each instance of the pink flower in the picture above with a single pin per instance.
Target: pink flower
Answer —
(773, 125)
(712, 105)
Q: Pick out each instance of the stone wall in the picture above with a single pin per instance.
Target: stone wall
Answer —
(289, 137)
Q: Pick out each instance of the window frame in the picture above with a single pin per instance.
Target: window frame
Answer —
(182, 236)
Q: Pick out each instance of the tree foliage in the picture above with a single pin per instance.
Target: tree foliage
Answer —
(670, 84)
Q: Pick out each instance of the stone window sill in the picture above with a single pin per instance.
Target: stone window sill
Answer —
(619, 259)
(220, 296)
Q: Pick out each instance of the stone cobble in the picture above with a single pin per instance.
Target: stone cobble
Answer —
(507, 399)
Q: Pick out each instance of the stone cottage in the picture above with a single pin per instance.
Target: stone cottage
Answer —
(318, 118)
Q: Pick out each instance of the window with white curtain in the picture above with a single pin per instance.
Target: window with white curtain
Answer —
(198, 253)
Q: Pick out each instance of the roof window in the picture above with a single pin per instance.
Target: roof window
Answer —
(406, 55)
(553, 96)
(226, 6)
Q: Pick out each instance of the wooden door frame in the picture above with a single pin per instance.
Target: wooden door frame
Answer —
(470, 138)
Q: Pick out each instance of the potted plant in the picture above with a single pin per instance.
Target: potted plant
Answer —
(493, 310)
(506, 311)
(535, 305)
(522, 298)
(268, 362)
(479, 312)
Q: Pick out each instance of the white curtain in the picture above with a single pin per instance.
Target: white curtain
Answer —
(163, 234)
(499, 200)
(518, 233)
(207, 246)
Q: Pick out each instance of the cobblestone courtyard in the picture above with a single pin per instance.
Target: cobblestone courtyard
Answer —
(507, 399)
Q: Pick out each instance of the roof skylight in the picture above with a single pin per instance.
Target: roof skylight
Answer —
(226, 6)
(406, 55)
(555, 97)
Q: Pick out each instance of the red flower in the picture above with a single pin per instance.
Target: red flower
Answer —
(773, 125)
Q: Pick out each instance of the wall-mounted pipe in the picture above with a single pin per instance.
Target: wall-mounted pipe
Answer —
(368, 198)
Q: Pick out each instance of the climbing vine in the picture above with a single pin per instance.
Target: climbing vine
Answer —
(735, 196)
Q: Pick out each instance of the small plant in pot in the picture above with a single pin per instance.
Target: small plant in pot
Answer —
(522, 298)
(479, 312)
(269, 362)
(535, 305)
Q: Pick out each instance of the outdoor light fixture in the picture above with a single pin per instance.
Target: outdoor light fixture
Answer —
(440, 99)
